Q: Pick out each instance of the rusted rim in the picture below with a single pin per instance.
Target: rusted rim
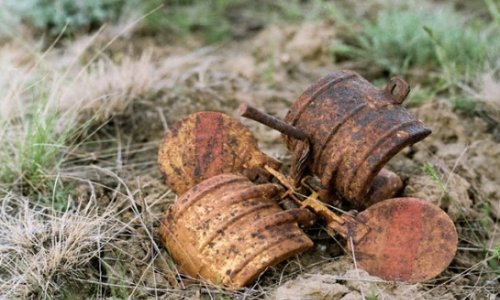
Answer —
(357, 186)
(228, 230)
(350, 168)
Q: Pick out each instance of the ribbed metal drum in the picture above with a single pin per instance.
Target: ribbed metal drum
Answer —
(227, 230)
(354, 130)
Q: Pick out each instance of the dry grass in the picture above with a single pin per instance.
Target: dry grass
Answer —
(42, 249)
(48, 242)
(81, 198)
(106, 89)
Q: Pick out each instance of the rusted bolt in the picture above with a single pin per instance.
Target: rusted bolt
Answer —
(227, 230)
(250, 112)
(206, 144)
(302, 152)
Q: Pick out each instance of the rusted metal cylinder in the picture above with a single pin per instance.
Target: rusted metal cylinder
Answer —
(354, 129)
(227, 230)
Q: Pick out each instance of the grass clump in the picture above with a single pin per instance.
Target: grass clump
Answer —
(106, 88)
(41, 249)
(436, 39)
(35, 134)
(32, 150)
(48, 115)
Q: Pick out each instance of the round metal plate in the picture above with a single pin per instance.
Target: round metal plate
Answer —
(409, 240)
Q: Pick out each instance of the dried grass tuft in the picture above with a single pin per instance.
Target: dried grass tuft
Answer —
(106, 88)
(41, 249)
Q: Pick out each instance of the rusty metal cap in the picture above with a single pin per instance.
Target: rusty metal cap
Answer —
(227, 230)
(410, 240)
(205, 144)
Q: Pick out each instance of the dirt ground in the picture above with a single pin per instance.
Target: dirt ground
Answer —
(158, 84)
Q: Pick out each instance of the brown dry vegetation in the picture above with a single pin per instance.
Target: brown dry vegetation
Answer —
(82, 115)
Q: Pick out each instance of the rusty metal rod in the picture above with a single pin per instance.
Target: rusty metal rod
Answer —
(334, 221)
(250, 112)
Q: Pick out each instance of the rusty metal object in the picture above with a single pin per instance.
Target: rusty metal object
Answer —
(410, 240)
(384, 186)
(404, 239)
(248, 111)
(354, 129)
(303, 146)
(206, 144)
(227, 230)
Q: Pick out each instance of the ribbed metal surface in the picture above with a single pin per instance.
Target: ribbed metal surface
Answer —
(354, 130)
(228, 230)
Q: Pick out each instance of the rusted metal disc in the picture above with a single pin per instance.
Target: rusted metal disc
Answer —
(409, 240)
(206, 144)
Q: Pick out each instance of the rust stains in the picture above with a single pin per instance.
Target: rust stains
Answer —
(406, 240)
(354, 129)
(227, 226)
(229, 230)
(206, 144)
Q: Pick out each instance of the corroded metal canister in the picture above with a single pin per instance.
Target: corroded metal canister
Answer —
(227, 230)
(354, 129)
